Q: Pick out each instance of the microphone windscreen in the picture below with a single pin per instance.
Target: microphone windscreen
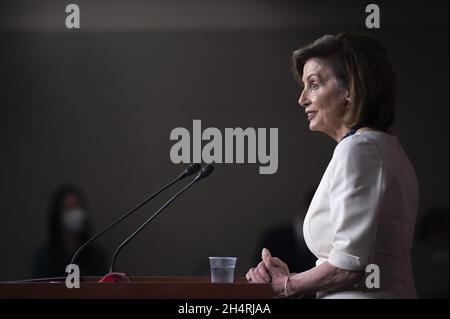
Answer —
(191, 170)
(206, 171)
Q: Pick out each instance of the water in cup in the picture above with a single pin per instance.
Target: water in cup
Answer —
(222, 269)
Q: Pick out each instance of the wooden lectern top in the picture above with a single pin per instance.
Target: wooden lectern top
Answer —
(138, 288)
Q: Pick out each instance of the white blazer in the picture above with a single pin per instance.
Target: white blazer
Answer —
(364, 212)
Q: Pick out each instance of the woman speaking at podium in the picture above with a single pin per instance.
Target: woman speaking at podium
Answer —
(363, 213)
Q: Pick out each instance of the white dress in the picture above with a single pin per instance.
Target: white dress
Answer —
(364, 212)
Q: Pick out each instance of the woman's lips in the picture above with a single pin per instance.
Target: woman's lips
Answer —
(310, 115)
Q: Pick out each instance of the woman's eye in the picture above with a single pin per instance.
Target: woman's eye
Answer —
(314, 86)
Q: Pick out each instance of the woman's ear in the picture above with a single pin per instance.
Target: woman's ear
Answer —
(347, 100)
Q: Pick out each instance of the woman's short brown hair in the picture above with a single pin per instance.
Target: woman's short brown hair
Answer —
(360, 63)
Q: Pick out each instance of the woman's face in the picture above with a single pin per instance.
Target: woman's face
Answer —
(71, 201)
(73, 216)
(323, 98)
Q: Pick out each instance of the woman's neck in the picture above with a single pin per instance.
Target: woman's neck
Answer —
(339, 133)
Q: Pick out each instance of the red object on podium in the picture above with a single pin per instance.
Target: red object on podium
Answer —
(115, 277)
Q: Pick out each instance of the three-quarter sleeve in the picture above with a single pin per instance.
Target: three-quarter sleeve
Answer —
(355, 192)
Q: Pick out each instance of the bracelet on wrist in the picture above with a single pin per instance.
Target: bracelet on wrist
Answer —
(286, 293)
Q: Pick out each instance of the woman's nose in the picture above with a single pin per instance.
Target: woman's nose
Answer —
(303, 100)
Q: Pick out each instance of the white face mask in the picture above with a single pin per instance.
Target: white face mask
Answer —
(73, 220)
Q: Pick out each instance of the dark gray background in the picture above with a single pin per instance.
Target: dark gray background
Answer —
(96, 106)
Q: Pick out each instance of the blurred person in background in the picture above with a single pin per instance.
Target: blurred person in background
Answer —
(286, 241)
(430, 255)
(68, 228)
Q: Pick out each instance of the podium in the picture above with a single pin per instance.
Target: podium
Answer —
(138, 288)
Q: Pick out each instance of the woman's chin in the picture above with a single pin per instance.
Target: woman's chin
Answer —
(312, 127)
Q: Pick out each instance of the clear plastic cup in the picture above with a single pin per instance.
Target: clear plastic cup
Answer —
(222, 269)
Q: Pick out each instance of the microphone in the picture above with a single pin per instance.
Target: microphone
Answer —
(191, 170)
(113, 276)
